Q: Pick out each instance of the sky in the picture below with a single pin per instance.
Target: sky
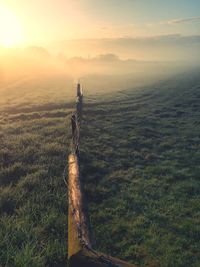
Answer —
(45, 35)
(43, 21)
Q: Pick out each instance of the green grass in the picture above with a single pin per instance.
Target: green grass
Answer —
(139, 161)
(33, 197)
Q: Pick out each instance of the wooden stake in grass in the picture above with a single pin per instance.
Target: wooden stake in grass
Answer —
(80, 252)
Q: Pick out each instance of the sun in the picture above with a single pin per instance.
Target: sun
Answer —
(10, 28)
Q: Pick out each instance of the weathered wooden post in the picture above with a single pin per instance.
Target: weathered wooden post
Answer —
(78, 226)
(79, 90)
(80, 252)
(79, 102)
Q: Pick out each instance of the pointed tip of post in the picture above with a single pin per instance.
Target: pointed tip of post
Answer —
(79, 89)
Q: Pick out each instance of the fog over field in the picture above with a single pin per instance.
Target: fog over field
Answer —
(102, 64)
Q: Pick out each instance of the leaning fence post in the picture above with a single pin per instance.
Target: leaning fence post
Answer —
(80, 252)
(78, 225)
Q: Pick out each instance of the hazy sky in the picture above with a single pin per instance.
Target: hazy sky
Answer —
(43, 21)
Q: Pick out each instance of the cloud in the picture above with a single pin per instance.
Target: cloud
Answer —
(109, 45)
(180, 21)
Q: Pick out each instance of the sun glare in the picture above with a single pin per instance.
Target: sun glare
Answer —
(10, 28)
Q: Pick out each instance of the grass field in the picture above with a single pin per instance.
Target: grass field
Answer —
(33, 150)
(140, 164)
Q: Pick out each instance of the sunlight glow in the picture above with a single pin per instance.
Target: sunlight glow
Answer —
(10, 28)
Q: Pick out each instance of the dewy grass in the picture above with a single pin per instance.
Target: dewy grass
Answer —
(33, 198)
(140, 166)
